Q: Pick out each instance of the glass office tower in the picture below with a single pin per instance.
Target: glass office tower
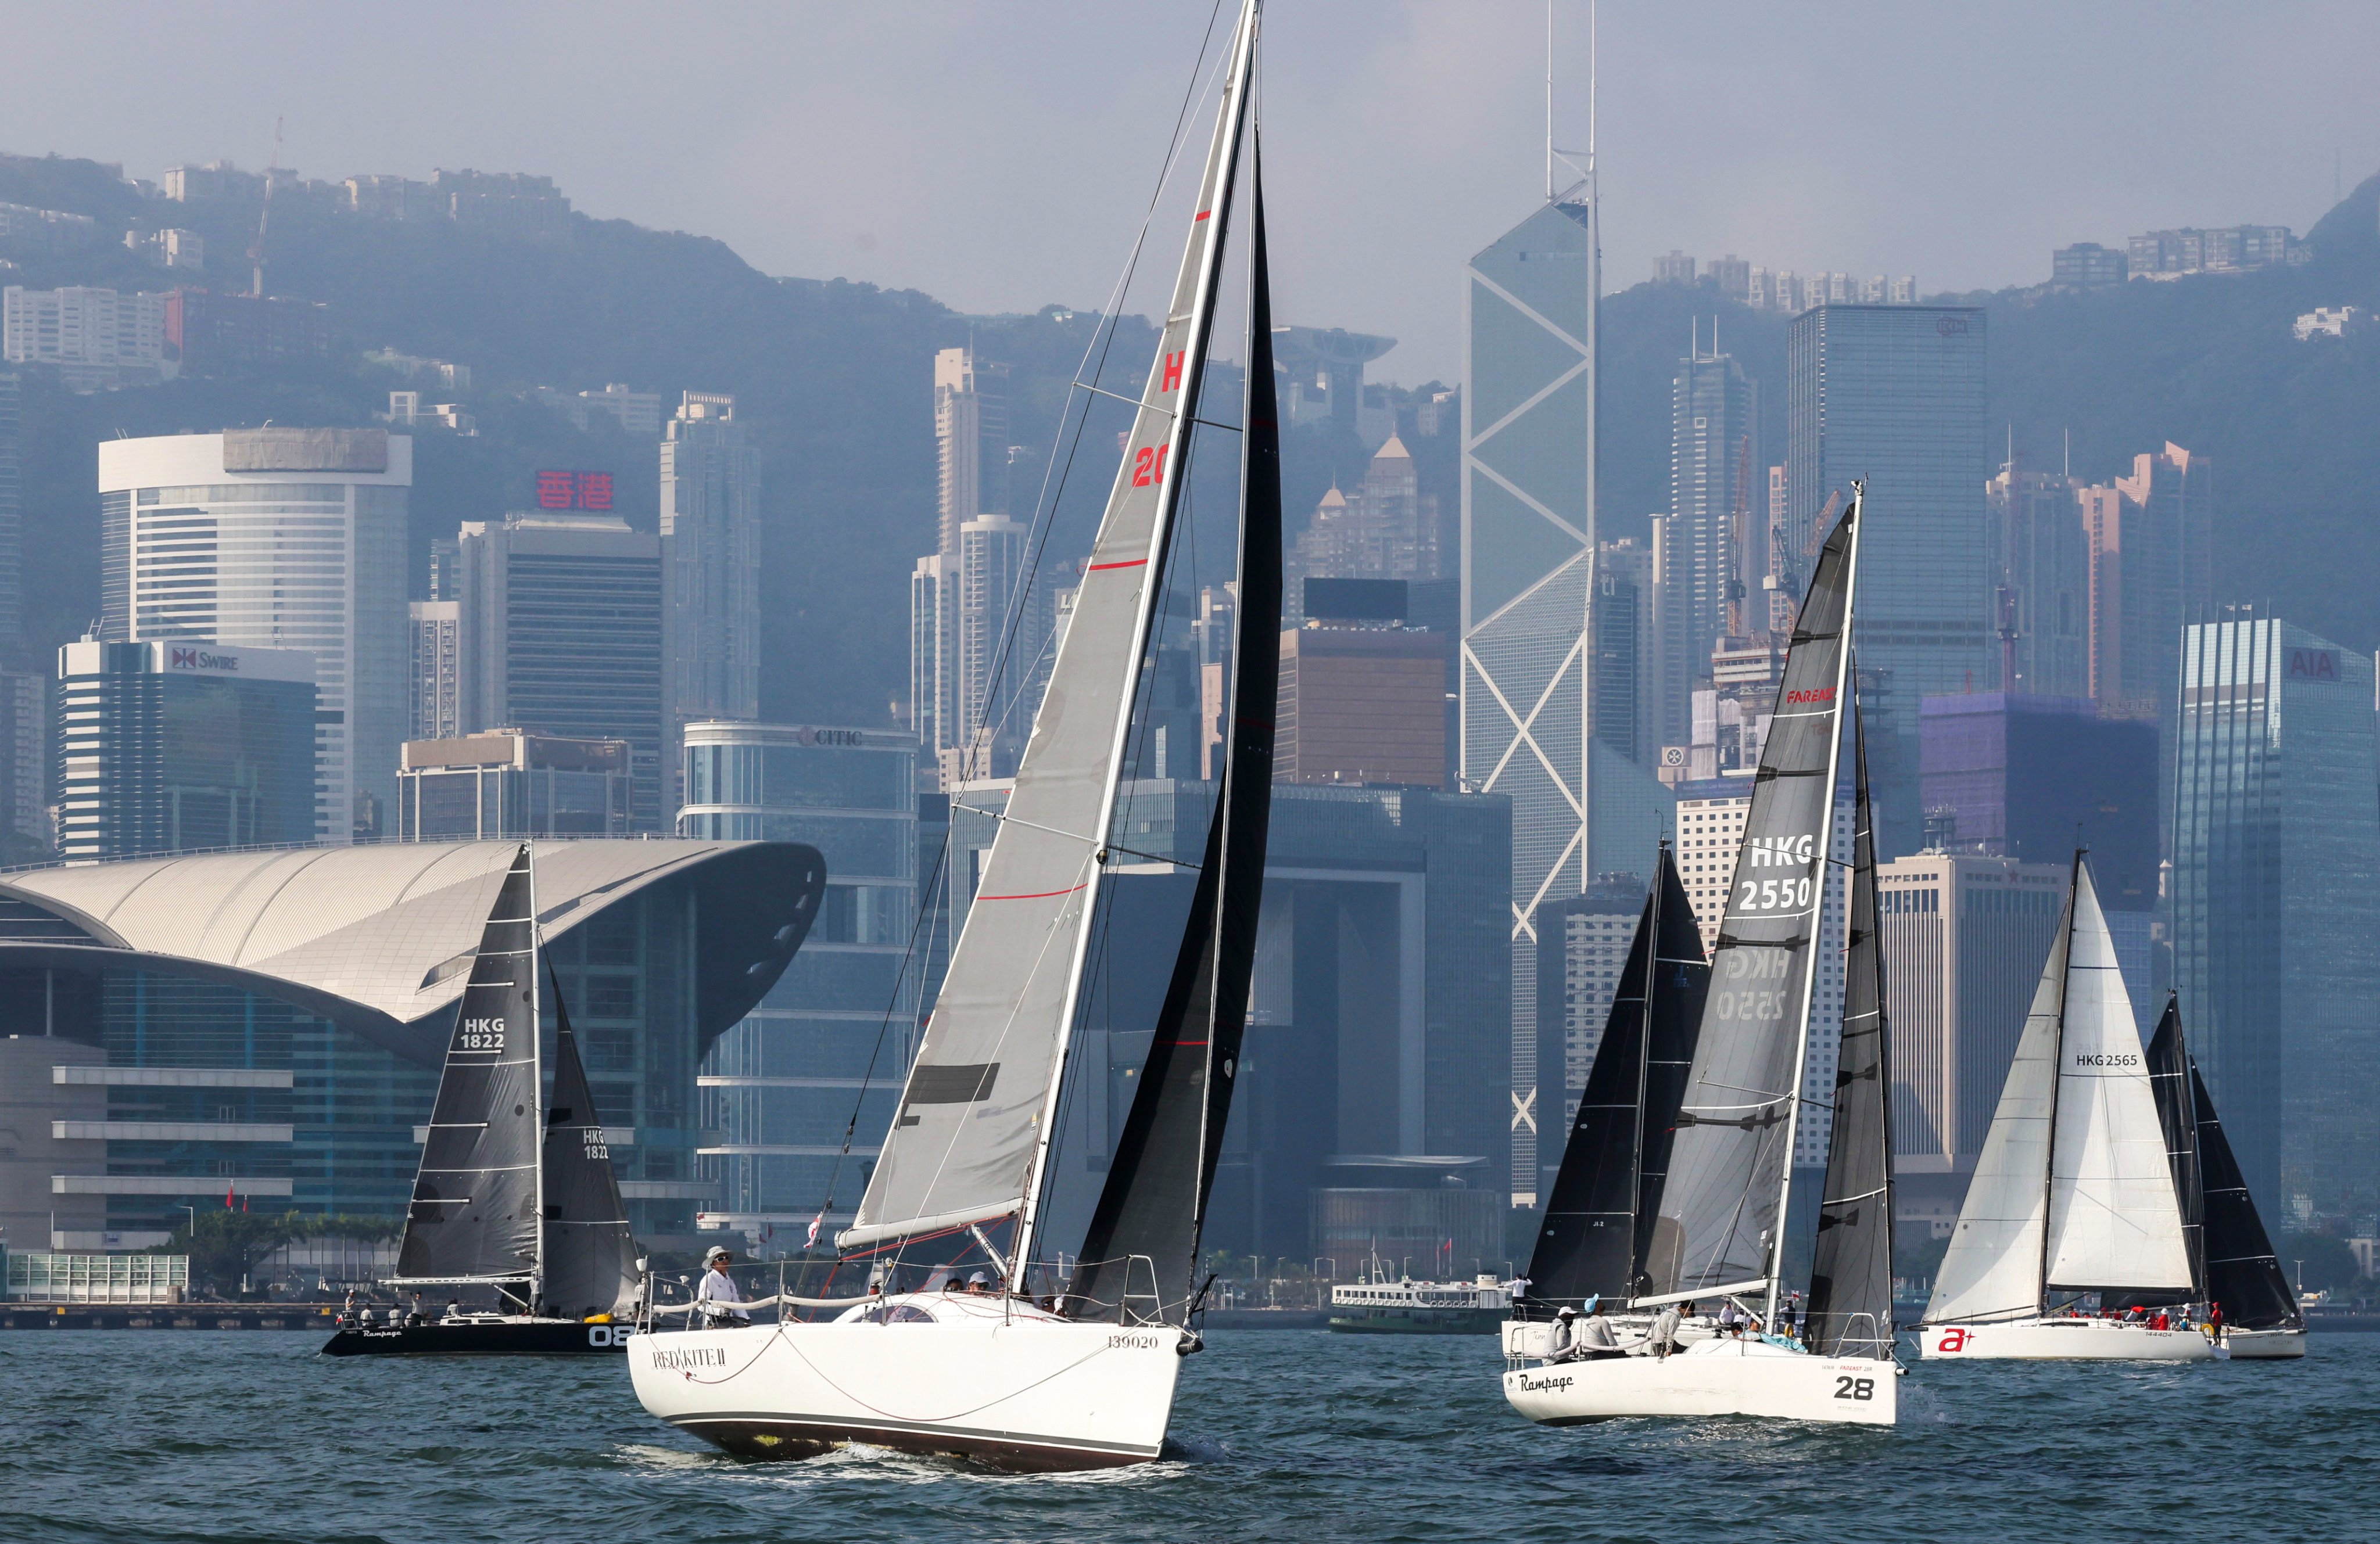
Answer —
(2275, 924)
(780, 1088)
(1529, 554)
(1894, 394)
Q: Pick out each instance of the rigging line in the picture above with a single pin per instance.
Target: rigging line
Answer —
(1102, 341)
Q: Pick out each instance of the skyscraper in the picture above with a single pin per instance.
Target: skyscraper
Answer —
(12, 515)
(2276, 921)
(1530, 302)
(971, 437)
(1714, 546)
(435, 705)
(2042, 599)
(184, 748)
(1894, 394)
(561, 635)
(2151, 538)
(711, 551)
(1625, 691)
(275, 538)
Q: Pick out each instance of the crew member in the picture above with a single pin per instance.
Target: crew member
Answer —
(719, 1302)
(1664, 1330)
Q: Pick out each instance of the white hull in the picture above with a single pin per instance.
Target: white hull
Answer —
(2262, 1345)
(1720, 1377)
(2062, 1340)
(1027, 1394)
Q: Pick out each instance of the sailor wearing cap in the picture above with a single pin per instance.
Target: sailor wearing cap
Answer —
(717, 1295)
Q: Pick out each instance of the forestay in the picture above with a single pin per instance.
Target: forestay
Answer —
(2114, 1222)
(1725, 1194)
(966, 1133)
(474, 1216)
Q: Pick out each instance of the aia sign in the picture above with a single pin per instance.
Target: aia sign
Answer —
(2314, 664)
(574, 490)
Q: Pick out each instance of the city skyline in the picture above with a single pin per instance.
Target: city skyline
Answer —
(1367, 106)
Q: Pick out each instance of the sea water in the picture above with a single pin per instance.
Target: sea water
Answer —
(1295, 1435)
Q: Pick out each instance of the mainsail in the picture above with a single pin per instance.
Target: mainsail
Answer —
(475, 1211)
(1850, 1274)
(2115, 1221)
(590, 1258)
(2242, 1272)
(1726, 1191)
(1154, 1202)
(1598, 1221)
(972, 1122)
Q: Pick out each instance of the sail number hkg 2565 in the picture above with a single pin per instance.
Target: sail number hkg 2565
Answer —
(479, 1034)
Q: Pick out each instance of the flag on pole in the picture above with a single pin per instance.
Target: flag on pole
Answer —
(812, 1241)
(227, 1189)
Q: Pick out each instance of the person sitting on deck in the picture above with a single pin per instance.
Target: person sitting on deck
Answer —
(717, 1299)
(979, 1284)
(1664, 1338)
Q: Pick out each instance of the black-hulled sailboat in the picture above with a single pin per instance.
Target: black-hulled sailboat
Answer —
(1068, 1359)
(2232, 1263)
(516, 1197)
(1700, 1213)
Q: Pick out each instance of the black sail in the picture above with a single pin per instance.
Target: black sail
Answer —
(590, 1258)
(1850, 1272)
(2168, 1066)
(474, 1214)
(1721, 1206)
(1599, 1218)
(2242, 1272)
(1142, 1246)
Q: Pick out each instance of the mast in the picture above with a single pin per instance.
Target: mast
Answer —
(536, 1078)
(1822, 864)
(1214, 216)
(2056, 1076)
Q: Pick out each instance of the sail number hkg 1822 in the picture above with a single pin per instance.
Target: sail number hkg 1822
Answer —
(479, 1034)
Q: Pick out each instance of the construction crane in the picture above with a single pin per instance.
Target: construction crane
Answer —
(256, 253)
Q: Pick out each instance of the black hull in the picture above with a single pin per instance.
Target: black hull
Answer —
(777, 1438)
(545, 1337)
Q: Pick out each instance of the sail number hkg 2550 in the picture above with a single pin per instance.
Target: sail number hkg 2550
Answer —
(1773, 894)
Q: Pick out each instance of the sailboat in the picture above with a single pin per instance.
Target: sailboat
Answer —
(2074, 1193)
(1715, 1191)
(1067, 1357)
(2232, 1263)
(516, 1194)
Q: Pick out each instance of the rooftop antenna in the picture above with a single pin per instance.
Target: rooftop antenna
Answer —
(2069, 450)
(1549, 100)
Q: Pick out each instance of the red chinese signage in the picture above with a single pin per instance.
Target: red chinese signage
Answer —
(574, 490)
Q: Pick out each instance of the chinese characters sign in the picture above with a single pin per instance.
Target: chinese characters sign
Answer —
(574, 490)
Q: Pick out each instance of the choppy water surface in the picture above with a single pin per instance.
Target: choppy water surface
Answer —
(1282, 1435)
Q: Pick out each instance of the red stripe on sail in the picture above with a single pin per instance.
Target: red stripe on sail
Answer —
(1134, 563)
(1036, 895)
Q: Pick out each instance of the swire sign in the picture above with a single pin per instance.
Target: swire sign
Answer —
(202, 659)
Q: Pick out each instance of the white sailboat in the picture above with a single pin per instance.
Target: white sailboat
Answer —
(2074, 1193)
(1051, 1368)
(1718, 1206)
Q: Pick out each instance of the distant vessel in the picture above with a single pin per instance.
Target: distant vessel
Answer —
(2075, 1192)
(1056, 1363)
(1673, 1188)
(1381, 1305)
(515, 1192)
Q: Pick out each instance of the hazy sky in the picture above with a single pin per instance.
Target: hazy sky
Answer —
(998, 156)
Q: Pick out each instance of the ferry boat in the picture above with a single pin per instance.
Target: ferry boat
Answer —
(1377, 1306)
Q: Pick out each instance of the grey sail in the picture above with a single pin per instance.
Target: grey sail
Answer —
(1598, 1226)
(966, 1138)
(1723, 1205)
(590, 1258)
(1140, 1251)
(1850, 1272)
(474, 1216)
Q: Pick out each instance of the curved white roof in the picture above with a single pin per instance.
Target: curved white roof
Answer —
(390, 926)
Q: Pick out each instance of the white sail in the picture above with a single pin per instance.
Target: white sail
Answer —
(963, 1142)
(2114, 1219)
(1992, 1269)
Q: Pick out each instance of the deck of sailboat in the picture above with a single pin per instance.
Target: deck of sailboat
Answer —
(1722, 1376)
